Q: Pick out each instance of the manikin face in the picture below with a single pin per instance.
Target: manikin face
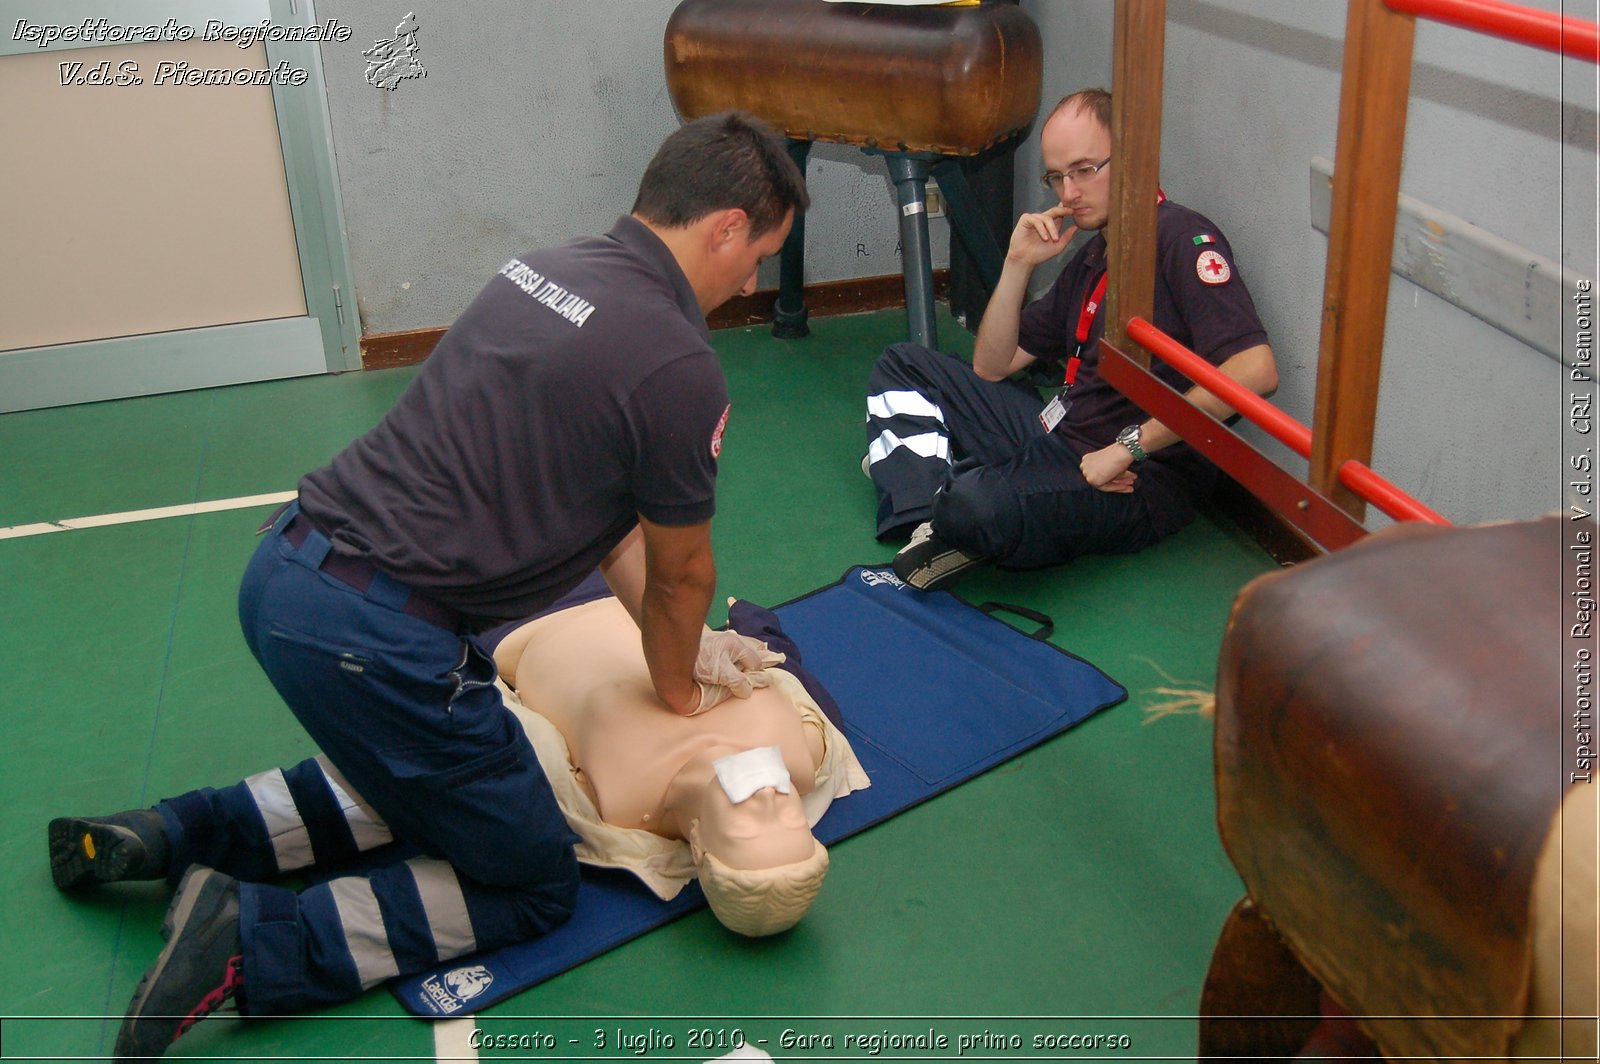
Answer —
(765, 830)
(736, 258)
(1072, 139)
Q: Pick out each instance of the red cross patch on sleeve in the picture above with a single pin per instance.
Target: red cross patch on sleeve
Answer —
(1212, 267)
(716, 435)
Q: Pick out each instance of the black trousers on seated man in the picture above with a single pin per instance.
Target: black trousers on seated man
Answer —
(972, 457)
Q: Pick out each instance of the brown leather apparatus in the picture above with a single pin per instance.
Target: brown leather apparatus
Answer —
(1389, 767)
(948, 80)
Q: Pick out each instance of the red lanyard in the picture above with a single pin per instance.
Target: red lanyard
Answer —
(1086, 316)
(1091, 307)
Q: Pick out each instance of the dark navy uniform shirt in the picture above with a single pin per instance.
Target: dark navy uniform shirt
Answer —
(1200, 301)
(578, 391)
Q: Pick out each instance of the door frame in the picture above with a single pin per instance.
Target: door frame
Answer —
(326, 340)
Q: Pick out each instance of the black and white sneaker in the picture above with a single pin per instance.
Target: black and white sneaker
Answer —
(928, 563)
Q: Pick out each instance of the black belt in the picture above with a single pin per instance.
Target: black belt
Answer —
(359, 574)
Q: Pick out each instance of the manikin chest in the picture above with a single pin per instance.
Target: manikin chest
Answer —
(628, 748)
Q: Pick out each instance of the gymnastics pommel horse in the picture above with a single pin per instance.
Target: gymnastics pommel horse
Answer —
(923, 86)
(1401, 789)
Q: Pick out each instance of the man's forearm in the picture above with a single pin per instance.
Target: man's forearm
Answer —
(1254, 367)
(996, 347)
(672, 617)
(1111, 467)
(664, 576)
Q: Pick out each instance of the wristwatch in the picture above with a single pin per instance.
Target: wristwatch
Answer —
(1129, 438)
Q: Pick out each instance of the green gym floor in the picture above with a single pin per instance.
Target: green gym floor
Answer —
(1075, 890)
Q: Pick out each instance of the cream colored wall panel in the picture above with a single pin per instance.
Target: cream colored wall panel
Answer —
(149, 204)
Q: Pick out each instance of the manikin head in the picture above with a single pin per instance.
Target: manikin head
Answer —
(1075, 139)
(760, 867)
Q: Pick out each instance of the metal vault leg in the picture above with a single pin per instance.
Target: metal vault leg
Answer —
(910, 175)
(789, 312)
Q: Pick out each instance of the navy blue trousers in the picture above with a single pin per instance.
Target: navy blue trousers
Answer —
(972, 457)
(421, 763)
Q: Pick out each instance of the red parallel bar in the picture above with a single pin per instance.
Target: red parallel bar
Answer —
(1297, 502)
(1360, 479)
(1542, 29)
(1280, 426)
(1354, 475)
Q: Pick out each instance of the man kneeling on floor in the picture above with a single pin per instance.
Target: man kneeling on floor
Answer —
(978, 467)
(727, 797)
(571, 417)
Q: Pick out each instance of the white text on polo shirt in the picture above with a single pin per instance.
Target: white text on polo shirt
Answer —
(569, 305)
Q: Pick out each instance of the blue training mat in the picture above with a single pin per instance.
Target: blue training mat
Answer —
(933, 692)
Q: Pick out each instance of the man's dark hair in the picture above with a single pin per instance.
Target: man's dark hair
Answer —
(718, 162)
(1095, 101)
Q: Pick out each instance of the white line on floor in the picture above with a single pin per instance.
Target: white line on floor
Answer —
(130, 516)
(452, 1039)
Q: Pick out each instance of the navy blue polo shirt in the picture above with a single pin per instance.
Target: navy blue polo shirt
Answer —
(577, 391)
(1200, 300)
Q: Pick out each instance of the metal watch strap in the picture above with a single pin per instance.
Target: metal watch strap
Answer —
(1129, 438)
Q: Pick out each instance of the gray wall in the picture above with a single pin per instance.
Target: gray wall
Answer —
(1469, 419)
(531, 127)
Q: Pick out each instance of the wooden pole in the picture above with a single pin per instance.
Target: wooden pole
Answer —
(1373, 100)
(1139, 48)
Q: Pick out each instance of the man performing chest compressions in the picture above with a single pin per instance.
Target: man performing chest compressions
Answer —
(727, 796)
(572, 417)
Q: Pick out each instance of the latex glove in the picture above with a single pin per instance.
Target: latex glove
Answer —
(711, 694)
(734, 662)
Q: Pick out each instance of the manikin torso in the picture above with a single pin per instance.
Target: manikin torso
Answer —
(584, 670)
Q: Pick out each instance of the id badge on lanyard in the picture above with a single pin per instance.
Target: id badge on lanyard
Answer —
(1057, 408)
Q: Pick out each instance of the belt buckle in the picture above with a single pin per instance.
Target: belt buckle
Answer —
(272, 519)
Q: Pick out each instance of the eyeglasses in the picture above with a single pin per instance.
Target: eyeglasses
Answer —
(1055, 180)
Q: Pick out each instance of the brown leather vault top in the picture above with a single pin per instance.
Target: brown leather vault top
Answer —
(1389, 761)
(950, 80)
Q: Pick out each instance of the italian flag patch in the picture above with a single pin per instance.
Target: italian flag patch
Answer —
(1205, 239)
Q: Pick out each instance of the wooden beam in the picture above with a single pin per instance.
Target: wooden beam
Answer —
(1258, 1000)
(825, 298)
(1136, 76)
(822, 298)
(1373, 100)
(1514, 288)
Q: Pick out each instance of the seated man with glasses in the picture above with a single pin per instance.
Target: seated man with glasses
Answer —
(978, 467)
